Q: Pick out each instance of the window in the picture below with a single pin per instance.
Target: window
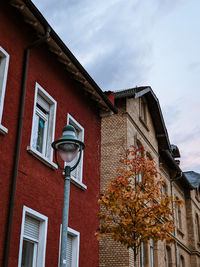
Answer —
(197, 227)
(152, 252)
(178, 216)
(43, 126)
(73, 241)
(140, 152)
(142, 254)
(168, 256)
(148, 155)
(33, 239)
(4, 61)
(164, 189)
(77, 174)
(182, 263)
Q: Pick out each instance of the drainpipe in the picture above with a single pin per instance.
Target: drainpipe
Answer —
(18, 145)
(174, 217)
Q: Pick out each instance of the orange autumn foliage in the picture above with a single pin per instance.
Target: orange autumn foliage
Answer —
(133, 208)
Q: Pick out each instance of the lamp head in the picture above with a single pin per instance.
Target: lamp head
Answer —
(68, 145)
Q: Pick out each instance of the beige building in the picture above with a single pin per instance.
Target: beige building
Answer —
(140, 122)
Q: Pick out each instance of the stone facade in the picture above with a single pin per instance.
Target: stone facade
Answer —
(138, 121)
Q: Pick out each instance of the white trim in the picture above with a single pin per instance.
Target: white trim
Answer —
(70, 118)
(43, 159)
(78, 183)
(72, 121)
(151, 252)
(3, 130)
(51, 126)
(75, 246)
(42, 235)
(4, 72)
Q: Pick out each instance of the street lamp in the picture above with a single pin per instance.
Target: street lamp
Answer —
(68, 146)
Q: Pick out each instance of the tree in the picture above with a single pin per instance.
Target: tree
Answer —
(133, 208)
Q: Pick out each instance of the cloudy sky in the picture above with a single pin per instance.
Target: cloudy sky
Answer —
(128, 43)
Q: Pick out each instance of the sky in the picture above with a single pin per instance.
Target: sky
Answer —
(127, 43)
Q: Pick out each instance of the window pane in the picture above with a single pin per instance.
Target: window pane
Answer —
(40, 134)
(27, 254)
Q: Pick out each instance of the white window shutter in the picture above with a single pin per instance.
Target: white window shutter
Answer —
(43, 103)
(69, 251)
(31, 228)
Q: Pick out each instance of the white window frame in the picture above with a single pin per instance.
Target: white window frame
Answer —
(48, 160)
(42, 235)
(74, 179)
(142, 254)
(151, 252)
(75, 246)
(3, 80)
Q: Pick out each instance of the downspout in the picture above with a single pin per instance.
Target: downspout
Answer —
(18, 145)
(174, 217)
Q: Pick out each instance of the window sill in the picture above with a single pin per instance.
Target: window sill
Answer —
(3, 130)
(78, 183)
(144, 124)
(44, 160)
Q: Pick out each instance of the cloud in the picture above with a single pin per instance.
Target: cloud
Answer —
(109, 38)
(124, 45)
(194, 66)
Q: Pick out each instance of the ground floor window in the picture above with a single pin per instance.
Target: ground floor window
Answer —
(33, 239)
(73, 240)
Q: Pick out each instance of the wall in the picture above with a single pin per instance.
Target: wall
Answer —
(38, 186)
(121, 131)
(113, 146)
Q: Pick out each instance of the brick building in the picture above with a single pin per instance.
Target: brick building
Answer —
(140, 122)
(42, 88)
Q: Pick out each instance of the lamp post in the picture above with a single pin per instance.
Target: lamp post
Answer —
(68, 146)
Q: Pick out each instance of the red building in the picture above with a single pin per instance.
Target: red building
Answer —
(42, 88)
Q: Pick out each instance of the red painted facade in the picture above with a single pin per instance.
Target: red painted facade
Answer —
(38, 186)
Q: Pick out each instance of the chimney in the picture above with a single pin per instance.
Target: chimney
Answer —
(111, 96)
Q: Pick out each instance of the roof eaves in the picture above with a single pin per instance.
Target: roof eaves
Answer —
(142, 91)
(93, 86)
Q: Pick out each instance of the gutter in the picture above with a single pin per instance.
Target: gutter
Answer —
(18, 146)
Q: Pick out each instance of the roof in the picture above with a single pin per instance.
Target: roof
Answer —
(155, 111)
(171, 162)
(189, 180)
(33, 17)
(193, 178)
